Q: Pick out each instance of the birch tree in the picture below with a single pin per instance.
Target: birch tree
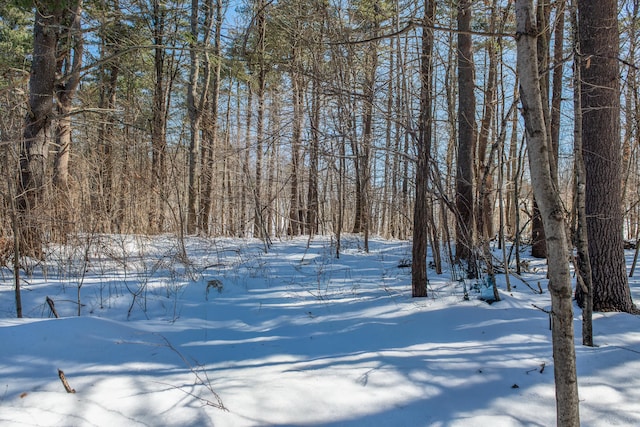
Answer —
(546, 192)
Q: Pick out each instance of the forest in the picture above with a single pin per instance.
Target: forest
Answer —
(455, 125)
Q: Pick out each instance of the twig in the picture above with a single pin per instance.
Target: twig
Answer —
(519, 277)
(64, 382)
(541, 309)
(549, 312)
(199, 377)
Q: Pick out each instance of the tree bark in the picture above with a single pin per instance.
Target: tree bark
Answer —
(158, 121)
(37, 130)
(538, 236)
(312, 190)
(584, 287)
(371, 66)
(196, 99)
(69, 57)
(465, 222)
(69, 63)
(258, 220)
(295, 220)
(556, 88)
(552, 213)
(103, 196)
(210, 144)
(421, 212)
(600, 92)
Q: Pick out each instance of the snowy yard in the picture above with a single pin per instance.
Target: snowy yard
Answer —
(234, 336)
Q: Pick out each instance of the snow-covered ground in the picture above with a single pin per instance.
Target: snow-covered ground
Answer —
(234, 336)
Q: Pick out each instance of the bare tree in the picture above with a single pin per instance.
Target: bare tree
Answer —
(552, 213)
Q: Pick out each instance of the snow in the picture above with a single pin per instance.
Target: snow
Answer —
(295, 337)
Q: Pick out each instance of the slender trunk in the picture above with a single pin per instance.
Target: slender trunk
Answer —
(584, 288)
(210, 146)
(194, 123)
(247, 186)
(386, 189)
(341, 198)
(367, 135)
(258, 220)
(158, 122)
(196, 98)
(552, 212)
(538, 237)
(420, 213)
(295, 221)
(485, 194)
(556, 91)
(273, 151)
(312, 194)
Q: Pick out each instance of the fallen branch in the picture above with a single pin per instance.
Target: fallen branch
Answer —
(64, 382)
(52, 307)
(519, 277)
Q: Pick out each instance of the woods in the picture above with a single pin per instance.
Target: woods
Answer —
(268, 120)
(458, 125)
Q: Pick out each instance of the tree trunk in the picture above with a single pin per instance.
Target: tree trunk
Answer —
(371, 66)
(312, 191)
(69, 63)
(195, 116)
(389, 119)
(247, 186)
(104, 197)
(69, 56)
(465, 221)
(258, 220)
(556, 89)
(600, 92)
(196, 98)
(158, 122)
(37, 130)
(210, 145)
(295, 221)
(538, 237)
(552, 212)
(421, 212)
(584, 287)
(485, 192)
